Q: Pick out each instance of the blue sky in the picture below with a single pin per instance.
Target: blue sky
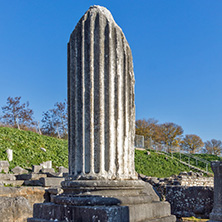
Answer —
(176, 46)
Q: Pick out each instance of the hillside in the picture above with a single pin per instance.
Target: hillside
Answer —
(157, 164)
(27, 145)
(27, 151)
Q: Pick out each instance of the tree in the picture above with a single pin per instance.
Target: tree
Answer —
(213, 146)
(16, 114)
(149, 129)
(55, 121)
(171, 134)
(192, 143)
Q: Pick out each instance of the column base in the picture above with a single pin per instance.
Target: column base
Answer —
(105, 201)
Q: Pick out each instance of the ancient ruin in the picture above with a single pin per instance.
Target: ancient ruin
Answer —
(216, 214)
(102, 184)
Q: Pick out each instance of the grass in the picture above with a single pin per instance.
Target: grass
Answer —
(27, 151)
(199, 164)
(26, 146)
(157, 165)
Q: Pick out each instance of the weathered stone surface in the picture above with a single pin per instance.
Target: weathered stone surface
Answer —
(7, 176)
(100, 99)
(9, 154)
(13, 182)
(51, 181)
(47, 164)
(14, 209)
(216, 214)
(55, 174)
(32, 194)
(4, 166)
(31, 176)
(190, 201)
(36, 168)
(19, 170)
(62, 170)
(32, 183)
(47, 170)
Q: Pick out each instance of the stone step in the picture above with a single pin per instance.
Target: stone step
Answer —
(52, 181)
(143, 212)
(156, 211)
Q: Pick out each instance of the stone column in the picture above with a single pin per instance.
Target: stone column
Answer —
(216, 214)
(102, 184)
(100, 99)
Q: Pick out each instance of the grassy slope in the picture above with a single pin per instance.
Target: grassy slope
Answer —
(208, 157)
(157, 165)
(26, 148)
(26, 152)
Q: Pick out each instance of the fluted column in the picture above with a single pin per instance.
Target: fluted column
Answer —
(100, 99)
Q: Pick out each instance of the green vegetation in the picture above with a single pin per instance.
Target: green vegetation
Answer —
(157, 164)
(26, 146)
(199, 164)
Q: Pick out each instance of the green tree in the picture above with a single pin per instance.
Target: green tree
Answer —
(17, 114)
(192, 143)
(213, 146)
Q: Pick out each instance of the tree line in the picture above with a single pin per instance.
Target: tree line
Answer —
(169, 136)
(19, 115)
(54, 122)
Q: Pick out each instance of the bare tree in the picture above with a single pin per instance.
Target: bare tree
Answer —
(17, 114)
(213, 146)
(55, 121)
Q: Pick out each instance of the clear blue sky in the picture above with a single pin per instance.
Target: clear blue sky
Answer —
(176, 46)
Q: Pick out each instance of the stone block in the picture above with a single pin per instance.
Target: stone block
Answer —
(32, 183)
(32, 194)
(13, 183)
(31, 176)
(19, 170)
(47, 170)
(36, 168)
(50, 211)
(55, 174)
(190, 201)
(9, 154)
(51, 181)
(7, 177)
(14, 209)
(4, 166)
(47, 164)
(62, 169)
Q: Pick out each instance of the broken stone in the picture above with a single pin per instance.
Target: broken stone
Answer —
(19, 170)
(36, 168)
(4, 166)
(7, 177)
(47, 164)
(47, 170)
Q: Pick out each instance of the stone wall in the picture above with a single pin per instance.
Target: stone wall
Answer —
(194, 201)
(17, 202)
(190, 194)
